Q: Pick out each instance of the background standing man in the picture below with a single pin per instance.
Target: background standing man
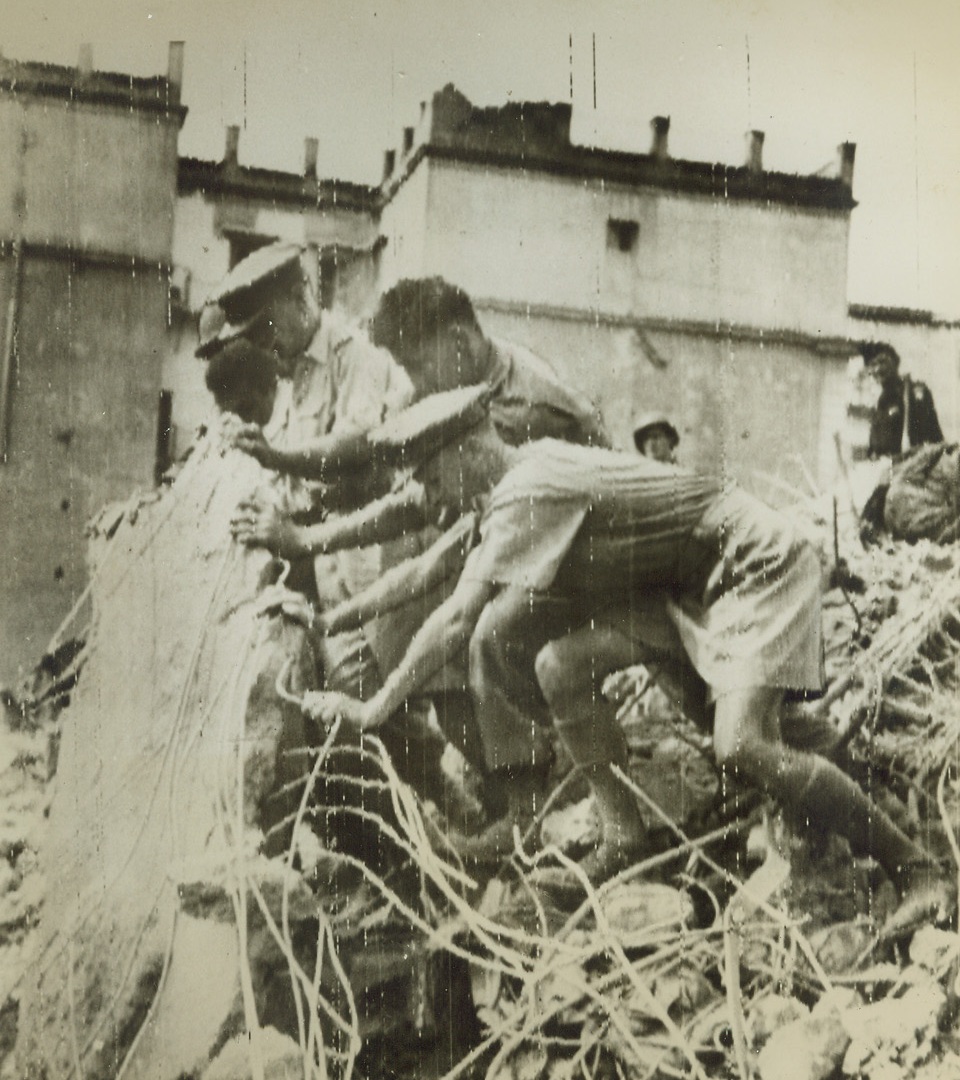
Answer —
(905, 415)
(655, 437)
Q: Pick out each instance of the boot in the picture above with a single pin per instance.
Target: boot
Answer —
(818, 791)
(595, 744)
(514, 795)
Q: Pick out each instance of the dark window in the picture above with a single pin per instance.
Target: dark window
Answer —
(244, 244)
(622, 234)
(164, 456)
(329, 260)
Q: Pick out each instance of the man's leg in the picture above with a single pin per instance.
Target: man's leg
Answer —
(415, 748)
(511, 714)
(511, 711)
(571, 671)
(747, 743)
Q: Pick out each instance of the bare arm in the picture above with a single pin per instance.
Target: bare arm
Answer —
(386, 518)
(318, 460)
(405, 582)
(446, 631)
(260, 524)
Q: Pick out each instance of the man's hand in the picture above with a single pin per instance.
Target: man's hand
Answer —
(260, 524)
(328, 706)
(323, 626)
(250, 439)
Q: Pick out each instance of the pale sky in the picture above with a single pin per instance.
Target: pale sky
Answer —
(809, 73)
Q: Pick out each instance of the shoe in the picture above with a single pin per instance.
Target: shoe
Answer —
(928, 897)
(598, 866)
(491, 846)
(514, 794)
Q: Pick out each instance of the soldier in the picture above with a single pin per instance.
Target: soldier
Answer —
(334, 385)
(655, 437)
(905, 415)
(338, 384)
(431, 328)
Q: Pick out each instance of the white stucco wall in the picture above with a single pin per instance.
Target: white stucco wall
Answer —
(197, 248)
(94, 176)
(404, 227)
(542, 239)
(764, 413)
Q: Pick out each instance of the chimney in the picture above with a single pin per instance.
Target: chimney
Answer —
(175, 70)
(85, 60)
(310, 147)
(407, 140)
(755, 151)
(232, 145)
(848, 151)
(389, 160)
(661, 128)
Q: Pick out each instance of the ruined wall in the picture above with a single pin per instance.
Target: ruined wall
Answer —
(404, 224)
(97, 177)
(82, 431)
(87, 190)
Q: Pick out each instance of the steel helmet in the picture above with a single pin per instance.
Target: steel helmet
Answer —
(645, 421)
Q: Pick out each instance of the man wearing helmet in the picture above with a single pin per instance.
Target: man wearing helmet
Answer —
(655, 437)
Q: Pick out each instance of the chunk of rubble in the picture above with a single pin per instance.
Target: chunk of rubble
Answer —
(810, 1048)
(634, 910)
(573, 828)
(771, 1013)
(896, 1031)
(839, 946)
(934, 949)
(280, 1057)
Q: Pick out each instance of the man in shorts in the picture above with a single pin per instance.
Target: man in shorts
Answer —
(573, 543)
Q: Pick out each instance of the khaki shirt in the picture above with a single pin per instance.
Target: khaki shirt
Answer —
(341, 383)
(531, 402)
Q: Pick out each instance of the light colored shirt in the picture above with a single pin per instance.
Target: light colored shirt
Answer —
(606, 517)
(742, 586)
(342, 383)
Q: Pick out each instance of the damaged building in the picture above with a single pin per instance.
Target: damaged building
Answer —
(633, 272)
(86, 226)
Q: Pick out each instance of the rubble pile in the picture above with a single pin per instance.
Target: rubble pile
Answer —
(168, 752)
(238, 896)
(29, 740)
(893, 658)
